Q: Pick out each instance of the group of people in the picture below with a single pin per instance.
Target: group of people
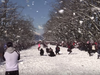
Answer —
(90, 47)
(49, 51)
(11, 55)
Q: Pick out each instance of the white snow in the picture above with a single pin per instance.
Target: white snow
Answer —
(61, 2)
(81, 0)
(95, 8)
(37, 11)
(32, 2)
(74, 14)
(61, 11)
(77, 63)
(80, 22)
(92, 18)
(37, 33)
(45, 2)
(28, 5)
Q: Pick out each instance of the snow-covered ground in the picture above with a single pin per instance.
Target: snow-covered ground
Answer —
(77, 63)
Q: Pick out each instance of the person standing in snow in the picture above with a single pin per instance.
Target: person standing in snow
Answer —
(11, 57)
(98, 50)
(57, 49)
(70, 47)
(39, 46)
(89, 48)
(41, 52)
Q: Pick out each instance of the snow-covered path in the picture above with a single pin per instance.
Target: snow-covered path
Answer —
(77, 63)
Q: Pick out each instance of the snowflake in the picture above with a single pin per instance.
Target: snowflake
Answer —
(73, 13)
(45, 2)
(28, 5)
(61, 2)
(5, 31)
(37, 11)
(92, 18)
(3, 1)
(61, 11)
(33, 3)
(81, 0)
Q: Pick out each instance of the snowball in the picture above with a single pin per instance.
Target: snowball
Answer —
(21, 63)
(73, 13)
(79, 30)
(5, 31)
(61, 2)
(45, 2)
(18, 36)
(61, 11)
(92, 18)
(81, 0)
(80, 22)
(49, 31)
(37, 11)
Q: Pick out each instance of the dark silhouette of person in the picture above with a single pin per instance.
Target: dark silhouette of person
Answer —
(41, 52)
(51, 53)
(47, 50)
(89, 48)
(70, 47)
(57, 49)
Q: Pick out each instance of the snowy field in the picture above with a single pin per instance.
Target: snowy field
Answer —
(77, 63)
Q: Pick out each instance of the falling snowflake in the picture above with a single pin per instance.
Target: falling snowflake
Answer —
(61, 11)
(92, 18)
(5, 31)
(55, 12)
(45, 2)
(19, 28)
(81, 0)
(37, 11)
(28, 5)
(80, 22)
(73, 13)
(3, 1)
(33, 3)
(61, 2)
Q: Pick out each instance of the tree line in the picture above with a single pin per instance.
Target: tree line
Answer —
(13, 25)
(72, 20)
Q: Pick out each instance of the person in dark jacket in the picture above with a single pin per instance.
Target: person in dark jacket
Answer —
(41, 52)
(47, 50)
(51, 53)
(89, 48)
(11, 56)
(57, 49)
(70, 47)
(98, 50)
